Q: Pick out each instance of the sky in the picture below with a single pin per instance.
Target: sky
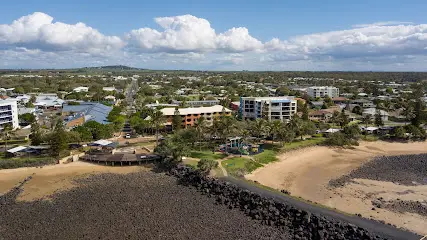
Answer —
(304, 35)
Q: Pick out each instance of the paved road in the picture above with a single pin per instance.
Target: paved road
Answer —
(131, 92)
(384, 230)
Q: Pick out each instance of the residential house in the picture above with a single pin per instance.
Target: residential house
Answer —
(339, 100)
(374, 111)
(320, 115)
(81, 89)
(48, 101)
(108, 89)
(316, 104)
(363, 103)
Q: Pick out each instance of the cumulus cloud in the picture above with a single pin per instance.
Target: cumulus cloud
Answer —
(192, 42)
(375, 40)
(38, 31)
(188, 33)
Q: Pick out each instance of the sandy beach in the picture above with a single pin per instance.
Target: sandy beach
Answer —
(306, 173)
(49, 179)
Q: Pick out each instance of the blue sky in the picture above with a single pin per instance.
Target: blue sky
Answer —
(217, 35)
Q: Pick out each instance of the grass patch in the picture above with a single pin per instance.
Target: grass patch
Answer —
(190, 162)
(267, 156)
(239, 166)
(207, 155)
(369, 138)
(32, 161)
(305, 143)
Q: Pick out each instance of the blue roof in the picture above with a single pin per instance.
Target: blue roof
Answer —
(92, 111)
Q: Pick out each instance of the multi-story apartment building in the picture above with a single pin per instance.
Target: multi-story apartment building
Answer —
(190, 115)
(200, 103)
(321, 92)
(9, 113)
(271, 108)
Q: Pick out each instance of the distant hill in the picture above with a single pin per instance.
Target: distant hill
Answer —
(114, 67)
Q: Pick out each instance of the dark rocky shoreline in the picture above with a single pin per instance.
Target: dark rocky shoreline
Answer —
(404, 169)
(147, 205)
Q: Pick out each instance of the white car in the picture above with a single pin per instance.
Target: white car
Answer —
(127, 136)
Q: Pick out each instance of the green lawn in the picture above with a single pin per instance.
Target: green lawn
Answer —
(301, 144)
(267, 156)
(238, 165)
(207, 155)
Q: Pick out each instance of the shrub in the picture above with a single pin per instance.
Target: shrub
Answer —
(206, 165)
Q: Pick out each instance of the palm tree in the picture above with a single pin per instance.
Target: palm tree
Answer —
(258, 128)
(7, 132)
(157, 118)
(200, 128)
(275, 127)
(335, 117)
(286, 134)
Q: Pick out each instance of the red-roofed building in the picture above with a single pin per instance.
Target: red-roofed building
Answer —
(339, 100)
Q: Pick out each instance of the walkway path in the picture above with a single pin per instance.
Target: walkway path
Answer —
(224, 172)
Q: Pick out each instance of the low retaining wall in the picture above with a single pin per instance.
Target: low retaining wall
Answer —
(302, 224)
(72, 158)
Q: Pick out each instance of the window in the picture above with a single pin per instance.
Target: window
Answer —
(188, 120)
(275, 104)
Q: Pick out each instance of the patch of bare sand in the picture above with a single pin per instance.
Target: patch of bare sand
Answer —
(50, 179)
(306, 173)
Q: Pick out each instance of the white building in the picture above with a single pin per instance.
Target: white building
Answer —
(373, 111)
(275, 108)
(323, 91)
(9, 113)
(109, 89)
(81, 89)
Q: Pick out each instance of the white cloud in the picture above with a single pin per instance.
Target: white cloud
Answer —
(388, 23)
(38, 31)
(358, 42)
(188, 33)
(190, 42)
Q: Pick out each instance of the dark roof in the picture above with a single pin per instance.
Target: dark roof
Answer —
(91, 110)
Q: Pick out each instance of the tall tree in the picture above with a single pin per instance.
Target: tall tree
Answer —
(36, 135)
(305, 112)
(7, 132)
(275, 127)
(58, 139)
(378, 118)
(343, 119)
(157, 119)
(176, 120)
(335, 119)
(297, 126)
(200, 128)
(286, 134)
(367, 119)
